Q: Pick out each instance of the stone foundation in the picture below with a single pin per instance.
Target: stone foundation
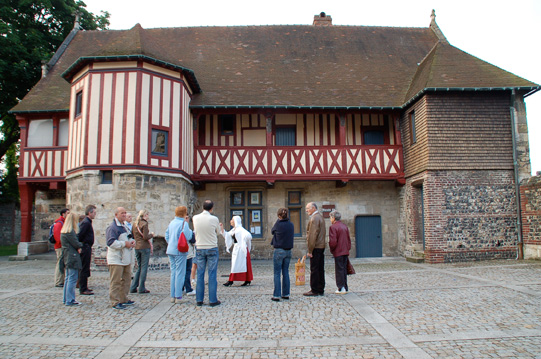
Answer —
(468, 215)
(160, 194)
(530, 202)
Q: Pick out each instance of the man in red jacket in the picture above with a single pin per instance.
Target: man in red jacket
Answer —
(340, 244)
(59, 271)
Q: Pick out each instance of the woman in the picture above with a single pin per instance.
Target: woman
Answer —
(142, 251)
(241, 240)
(177, 259)
(282, 241)
(71, 249)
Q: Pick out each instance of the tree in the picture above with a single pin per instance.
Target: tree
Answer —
(30, 32)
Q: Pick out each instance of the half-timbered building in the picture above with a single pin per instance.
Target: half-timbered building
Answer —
(418, 144)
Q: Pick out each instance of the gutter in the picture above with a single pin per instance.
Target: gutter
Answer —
(520, 244)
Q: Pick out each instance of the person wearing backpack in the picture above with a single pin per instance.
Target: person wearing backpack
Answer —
(59, 274)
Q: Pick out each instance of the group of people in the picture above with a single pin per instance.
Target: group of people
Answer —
(128, 243)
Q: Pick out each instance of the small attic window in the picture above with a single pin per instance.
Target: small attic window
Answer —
(78, 103)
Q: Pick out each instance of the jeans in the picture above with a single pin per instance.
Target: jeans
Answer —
(178, 272)
(187, 282)
(281, 259)
(69, 285)
(142, 256)
(204, 257)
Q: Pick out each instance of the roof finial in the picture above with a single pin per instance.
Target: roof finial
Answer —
(436, 28)
(77, 23)
(433, 15)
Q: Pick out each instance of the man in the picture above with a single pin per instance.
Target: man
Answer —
(206, 228)
(340, 245)
(59, 274)
(119, 259)
(315, 238)
(128, 221)
(86, 237)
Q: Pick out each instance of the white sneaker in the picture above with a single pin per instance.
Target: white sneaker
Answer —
(341, 291)
(191, 293)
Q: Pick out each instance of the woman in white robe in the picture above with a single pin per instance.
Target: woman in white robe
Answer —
(241, 241)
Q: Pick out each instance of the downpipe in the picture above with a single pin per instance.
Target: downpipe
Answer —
(520, 248)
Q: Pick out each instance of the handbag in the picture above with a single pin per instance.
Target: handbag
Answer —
(350, 268)
(182, 244)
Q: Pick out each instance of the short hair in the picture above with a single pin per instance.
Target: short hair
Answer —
(89, 209)
(181, 211)
(282, 213)
(207, 205)
(313, 204)
(64, 211)
(81, 218)
(336, 215)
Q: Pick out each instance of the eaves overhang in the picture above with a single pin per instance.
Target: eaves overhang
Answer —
(531, 90)
(82, 61)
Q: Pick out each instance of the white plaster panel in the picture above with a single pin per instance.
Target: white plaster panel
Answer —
(310, 130)
(154, 162)
(114, 65)
(161, 70)
(166, 100)
(145, 101)
(58, 163)
(175, 134)
(106, 119)
(255, 137)
(156, 95)
(118, 119)
(130, 118)
(93, 117)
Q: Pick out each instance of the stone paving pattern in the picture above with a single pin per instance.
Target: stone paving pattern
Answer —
(395, 309)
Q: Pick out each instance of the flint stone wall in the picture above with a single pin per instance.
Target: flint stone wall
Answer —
(468, 215)
(530, 201)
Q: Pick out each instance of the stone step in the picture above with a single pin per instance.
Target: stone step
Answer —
(415, 259)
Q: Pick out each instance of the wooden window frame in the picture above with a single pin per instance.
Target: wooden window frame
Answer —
(412, 128)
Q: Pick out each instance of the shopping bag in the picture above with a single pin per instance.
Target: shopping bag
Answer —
(300, 271)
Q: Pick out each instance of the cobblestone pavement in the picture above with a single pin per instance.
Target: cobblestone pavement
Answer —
(395, 309)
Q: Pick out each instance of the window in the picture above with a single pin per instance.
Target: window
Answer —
(63, 130)
(374, 138)
(40, 133)
(159, 142)
(285, 136)
(106, 177)
(294, 206)
(78, 103)
(413, 135)
(248, 205)
(227, 124)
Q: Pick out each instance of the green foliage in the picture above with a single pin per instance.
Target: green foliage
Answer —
(10, 250)
(30, 33)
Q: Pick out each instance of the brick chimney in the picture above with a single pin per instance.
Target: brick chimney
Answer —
(322, 20)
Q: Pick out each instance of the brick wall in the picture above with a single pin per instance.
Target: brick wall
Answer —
(530, 203)
(468, 215)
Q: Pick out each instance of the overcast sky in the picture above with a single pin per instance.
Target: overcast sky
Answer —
(505, 33)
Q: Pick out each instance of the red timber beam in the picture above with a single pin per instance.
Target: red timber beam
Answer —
(27, 193)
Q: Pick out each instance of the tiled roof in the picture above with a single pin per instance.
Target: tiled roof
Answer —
(286, 66)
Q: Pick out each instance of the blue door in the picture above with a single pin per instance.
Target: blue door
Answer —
(368, 236)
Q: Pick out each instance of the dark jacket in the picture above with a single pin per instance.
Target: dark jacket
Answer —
(315, 232)
(339, 240)
(142, 236)
(70, 245)
(86, 232)
(282, 234)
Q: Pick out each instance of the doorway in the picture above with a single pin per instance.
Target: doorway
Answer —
(368, 236)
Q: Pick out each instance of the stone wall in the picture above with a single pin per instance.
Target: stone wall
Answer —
(134, 190)
(356, 198)
(47, 207)
(10, 224)
(530, 202)
(468, 215)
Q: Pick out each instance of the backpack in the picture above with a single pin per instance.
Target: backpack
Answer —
(51, 234)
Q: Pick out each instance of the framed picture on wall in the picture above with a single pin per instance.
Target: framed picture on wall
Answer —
(237, 198)
(255, 198)
(159, 142)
